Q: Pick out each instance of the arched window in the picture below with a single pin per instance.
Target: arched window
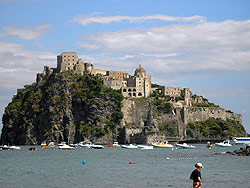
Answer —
(124, 90)
(130, 95)
(134, 94)
(129, 90)
(139, 94)
(134, 90)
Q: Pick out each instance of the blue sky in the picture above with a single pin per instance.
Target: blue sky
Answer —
(202, 45)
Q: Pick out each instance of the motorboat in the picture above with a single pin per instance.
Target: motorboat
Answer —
(61, 144)
(115, 144)
(87, 145)
(5, 147)
(94, 146)
(65, 146)
(241, 140)
(14, 147)
(51, 145)
(162, 145)
(145, 147)
(224, 144)
(185, 146)
(130, 146)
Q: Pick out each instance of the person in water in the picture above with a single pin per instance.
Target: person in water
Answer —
(196, 176)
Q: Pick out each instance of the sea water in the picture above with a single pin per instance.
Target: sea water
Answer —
(109, 167)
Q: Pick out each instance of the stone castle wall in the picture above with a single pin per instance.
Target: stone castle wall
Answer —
(204, 113)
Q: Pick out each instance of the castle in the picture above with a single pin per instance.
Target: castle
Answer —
(138, 85)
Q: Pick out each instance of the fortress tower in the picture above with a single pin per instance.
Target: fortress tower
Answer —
(138, 85)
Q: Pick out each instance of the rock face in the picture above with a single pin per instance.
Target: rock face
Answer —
(73, 108)
(66, 107)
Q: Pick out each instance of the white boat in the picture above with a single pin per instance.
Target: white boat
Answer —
(61, 144)
(185, 146)
(87, 145)
(65, 146)
(162, 145)
(94, 146)
(241, 140)
(145, 147)
(14, 147)
(223, 144)
(130, 146)
(115, 144)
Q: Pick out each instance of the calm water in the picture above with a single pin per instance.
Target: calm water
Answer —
(110, 168)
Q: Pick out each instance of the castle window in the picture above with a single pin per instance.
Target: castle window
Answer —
(130, 95)
(64, 56)
(134, 94)
(129, 90)
(139, 94)
(124, 90)
(134, 89)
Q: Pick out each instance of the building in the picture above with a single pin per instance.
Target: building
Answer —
(138, 85)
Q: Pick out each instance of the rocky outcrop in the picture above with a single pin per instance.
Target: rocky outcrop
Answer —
(70, 107)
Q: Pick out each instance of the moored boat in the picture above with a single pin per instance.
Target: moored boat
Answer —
(224, 144)
(162, 145)
(115, 144)
(51, 145)
(65, 146)
(130, 146)
(14, 147)
(145, 147)
(97, 146)
(185, 146)
(241, 140)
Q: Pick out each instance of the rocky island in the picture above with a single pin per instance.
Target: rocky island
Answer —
(75, 102)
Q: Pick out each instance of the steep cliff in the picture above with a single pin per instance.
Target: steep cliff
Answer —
(64, 107)
(73, 108)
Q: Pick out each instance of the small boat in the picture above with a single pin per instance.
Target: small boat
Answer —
(115, 144)
(224, 144)
(51, 145)
(209, 145)
(162, 145)
(14, 147)
(61, 144)
(145, 147)
(5, 147)
(185, 146)
(130, 146)
(65, 146)
(97, 146)
(32, 149)
(87, 145)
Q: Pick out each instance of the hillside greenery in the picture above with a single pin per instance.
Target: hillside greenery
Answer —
(215, 129)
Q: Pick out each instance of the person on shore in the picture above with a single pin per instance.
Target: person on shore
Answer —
(196, 176)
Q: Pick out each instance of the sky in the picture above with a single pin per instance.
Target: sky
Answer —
(203, 45)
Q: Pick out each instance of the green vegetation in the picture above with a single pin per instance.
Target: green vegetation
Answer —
(162, 105)
(169, 129)
(215, 129)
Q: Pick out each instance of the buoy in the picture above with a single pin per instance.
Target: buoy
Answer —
(132, 162)
(167, 158)
(83, 162)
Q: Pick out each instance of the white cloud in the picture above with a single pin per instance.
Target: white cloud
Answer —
(32, 33)
(95, 18)
(222, 46)
(19, 66)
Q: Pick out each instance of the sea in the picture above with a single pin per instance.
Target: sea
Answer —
(111, 168)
